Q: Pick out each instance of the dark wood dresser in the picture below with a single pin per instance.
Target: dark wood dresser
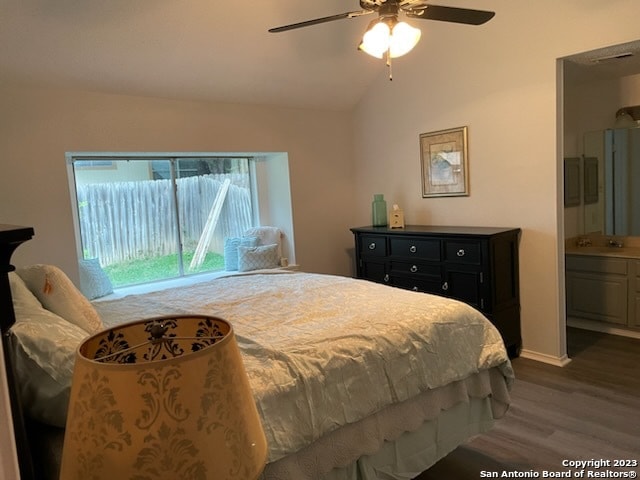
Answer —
(11, 237)
(477, 265)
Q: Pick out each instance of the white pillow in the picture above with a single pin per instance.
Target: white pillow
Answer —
(57, 293)
(231, 250)
(44, 355)
(256, 258)
(267, 236)
(21, 295)
(94, 282)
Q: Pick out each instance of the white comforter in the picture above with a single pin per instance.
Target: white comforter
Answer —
(322, 351)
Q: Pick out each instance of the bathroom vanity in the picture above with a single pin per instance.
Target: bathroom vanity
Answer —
(602, 193)
(603, 284)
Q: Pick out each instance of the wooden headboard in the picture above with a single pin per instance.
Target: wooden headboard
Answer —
(11, 237)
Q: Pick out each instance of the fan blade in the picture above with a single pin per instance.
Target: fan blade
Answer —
(449, 14)
(316, 21)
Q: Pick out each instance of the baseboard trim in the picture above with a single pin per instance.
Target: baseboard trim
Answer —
(544, 358)
(600, 327)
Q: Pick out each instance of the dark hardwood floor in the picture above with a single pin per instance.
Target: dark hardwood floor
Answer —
(589, 409)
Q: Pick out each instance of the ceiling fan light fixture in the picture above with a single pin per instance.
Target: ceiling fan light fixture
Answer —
(403, 38)
(375, 40)
(388, 35)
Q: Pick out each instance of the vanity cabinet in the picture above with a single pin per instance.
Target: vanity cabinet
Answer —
(597, 288)
(477, 265)
(605, 289)
(634, 295)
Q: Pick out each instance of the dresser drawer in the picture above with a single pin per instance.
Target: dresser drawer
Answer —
(375, 245)
(462, 252)
(374, 270)
(415, 248)
(425, 285)
(415, 268)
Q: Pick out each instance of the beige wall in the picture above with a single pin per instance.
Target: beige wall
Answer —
(500, 81)
(38, 126)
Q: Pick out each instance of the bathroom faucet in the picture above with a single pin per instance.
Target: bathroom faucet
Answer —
(615, 243)
(584, 242)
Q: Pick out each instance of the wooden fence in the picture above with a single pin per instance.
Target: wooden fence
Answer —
(130, 220)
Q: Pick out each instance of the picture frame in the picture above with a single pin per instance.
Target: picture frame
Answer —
(445, 163)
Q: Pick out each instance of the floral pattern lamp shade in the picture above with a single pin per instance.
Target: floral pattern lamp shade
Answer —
(162, 399)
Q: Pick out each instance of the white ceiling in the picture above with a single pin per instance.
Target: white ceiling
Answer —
(204, 49)
(200, 49)
(606, 63)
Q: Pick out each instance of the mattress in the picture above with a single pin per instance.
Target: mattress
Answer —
(323, 352)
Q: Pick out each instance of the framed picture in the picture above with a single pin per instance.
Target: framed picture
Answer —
(445, 163)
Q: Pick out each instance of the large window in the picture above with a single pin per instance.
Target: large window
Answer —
(147, 219)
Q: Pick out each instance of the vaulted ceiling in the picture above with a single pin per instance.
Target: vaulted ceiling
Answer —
(199, 49)
(196, 49)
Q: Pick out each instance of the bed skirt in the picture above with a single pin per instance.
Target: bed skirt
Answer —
(403, 440)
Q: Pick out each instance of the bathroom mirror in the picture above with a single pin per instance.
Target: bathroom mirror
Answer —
(611, 182)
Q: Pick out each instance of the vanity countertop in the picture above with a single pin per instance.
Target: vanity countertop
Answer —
(621, 252)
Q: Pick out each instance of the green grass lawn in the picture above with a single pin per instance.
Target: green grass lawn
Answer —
(158, 268)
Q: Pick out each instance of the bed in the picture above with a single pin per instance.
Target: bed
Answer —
(352, 379)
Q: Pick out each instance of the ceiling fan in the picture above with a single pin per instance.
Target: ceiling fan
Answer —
(386, 35)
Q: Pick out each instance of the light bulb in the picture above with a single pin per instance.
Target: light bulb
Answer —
(403, 38)
(397, 40)
(375, 41)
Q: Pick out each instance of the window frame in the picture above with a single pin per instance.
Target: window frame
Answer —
(271, 190)
(105, 161)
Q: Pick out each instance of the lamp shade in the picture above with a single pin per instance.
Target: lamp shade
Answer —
(625, 120)
(403, 38)
(162, 399)
(375, 40)
(389, 35)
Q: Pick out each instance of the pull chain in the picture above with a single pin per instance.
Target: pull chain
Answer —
(389, 64)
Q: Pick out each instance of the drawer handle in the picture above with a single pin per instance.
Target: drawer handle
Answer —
(460, 252)
(415, 289)
(413, 249)
(386, 277)
(372, 246)
(445, 286)
(413, 269)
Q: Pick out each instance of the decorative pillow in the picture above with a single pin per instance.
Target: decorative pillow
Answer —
(267, 236)
(57, 293)
(255, 258)
(44, 355)
(94, 282)
(231, 250)
(22, 297)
